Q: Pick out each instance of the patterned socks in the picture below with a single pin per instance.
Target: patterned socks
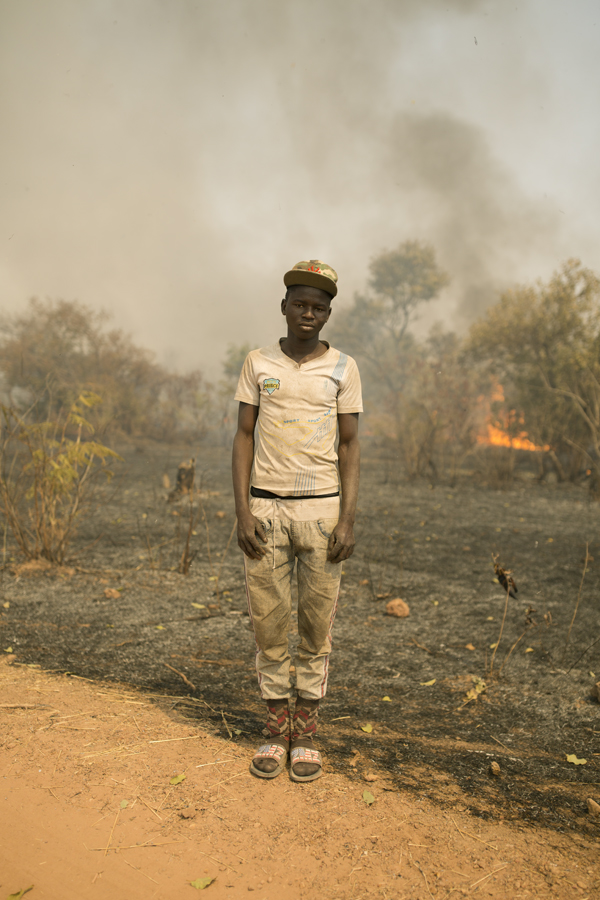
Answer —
(278, 726)
(305, 719)
(304, 728)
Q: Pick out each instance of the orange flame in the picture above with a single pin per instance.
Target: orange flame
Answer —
(496, 437)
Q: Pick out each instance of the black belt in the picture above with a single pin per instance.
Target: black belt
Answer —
(268, 495)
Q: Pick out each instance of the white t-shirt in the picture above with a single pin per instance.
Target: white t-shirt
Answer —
(297, 417)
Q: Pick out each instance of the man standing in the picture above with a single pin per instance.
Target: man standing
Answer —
(294, 397)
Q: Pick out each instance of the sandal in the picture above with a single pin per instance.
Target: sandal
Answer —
(306, 755)
(270, 751)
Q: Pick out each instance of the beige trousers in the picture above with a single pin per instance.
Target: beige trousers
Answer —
(296, 530)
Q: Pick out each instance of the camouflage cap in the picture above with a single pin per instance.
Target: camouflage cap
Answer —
(313, 273)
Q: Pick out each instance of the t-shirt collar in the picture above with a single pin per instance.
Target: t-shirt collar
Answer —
(310, 362)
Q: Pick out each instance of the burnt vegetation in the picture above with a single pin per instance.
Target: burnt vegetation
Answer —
(480, 470)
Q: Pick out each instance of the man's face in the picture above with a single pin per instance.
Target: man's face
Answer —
(306, 311)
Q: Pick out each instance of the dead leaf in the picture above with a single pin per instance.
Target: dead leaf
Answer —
(398, 608)
(493, 646)
(6, 605)
(166, 482)
(8, 649)
(494, 768)
(160, 627)
(383, 596)
(177, 779)
(388, 699)
(469, 647)
(201, 883)
(368, 797)
(593, 807)
(479, 687)
(427, 683)
(572, 758)
(112, 593)
(370, 776)
(367, 728)
(124, 804)
(529, 650)
(356, 758)
(199, 605)
(20, 893)
(363, 582)
(220, 514)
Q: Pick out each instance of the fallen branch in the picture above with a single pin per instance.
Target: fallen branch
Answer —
(182, 676)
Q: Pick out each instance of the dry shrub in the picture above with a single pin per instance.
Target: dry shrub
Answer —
(46, 476)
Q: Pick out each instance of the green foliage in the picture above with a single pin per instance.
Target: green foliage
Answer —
(46, 472)
(401, 280)
(542, 343)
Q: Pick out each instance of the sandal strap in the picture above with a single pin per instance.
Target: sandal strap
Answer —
(306, 754)
(270, 751)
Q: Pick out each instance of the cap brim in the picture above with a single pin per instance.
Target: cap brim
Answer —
(310, 279)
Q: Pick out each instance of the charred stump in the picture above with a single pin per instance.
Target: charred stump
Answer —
(186, 472)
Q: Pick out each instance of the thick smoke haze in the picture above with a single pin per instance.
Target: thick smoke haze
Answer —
(169, 160)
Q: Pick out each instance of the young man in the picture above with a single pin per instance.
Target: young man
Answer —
(294, 397)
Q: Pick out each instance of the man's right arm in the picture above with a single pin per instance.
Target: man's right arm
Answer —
(249, 530)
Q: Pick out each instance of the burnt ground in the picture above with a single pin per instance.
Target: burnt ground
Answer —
(430, 545)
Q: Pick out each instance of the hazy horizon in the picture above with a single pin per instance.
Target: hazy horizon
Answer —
(168, 162)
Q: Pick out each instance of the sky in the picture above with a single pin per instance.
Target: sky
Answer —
(169, 160)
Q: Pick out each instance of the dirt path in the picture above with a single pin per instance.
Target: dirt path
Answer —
(85, 767)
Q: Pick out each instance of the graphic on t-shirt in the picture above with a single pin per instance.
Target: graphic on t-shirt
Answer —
(271, 384)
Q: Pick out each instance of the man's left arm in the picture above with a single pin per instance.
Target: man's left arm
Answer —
(341, 542)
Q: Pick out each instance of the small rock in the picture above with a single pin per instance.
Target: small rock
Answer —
(111, 593)
(593, 807)
(494, 768)
(188, 813)
(370, 776)
(398, 608)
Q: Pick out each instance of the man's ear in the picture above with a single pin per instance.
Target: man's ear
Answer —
(283, 306)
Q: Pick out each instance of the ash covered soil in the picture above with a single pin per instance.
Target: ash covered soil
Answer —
(121, 612)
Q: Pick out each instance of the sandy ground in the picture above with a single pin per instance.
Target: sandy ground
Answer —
(88, 810)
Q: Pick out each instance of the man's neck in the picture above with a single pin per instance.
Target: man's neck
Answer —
(303, 351)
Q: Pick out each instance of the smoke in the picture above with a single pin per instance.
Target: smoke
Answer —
(484, 226)
(169, 161)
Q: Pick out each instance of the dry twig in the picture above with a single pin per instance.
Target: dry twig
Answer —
(182, 676)
(585, 565)
(106, 849)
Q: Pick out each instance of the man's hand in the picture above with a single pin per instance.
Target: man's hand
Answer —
(249, 532)
(341, 542)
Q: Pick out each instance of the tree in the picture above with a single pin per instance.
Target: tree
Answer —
(403, 279)
(55, 350)
(543, 343)
(417, 394)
